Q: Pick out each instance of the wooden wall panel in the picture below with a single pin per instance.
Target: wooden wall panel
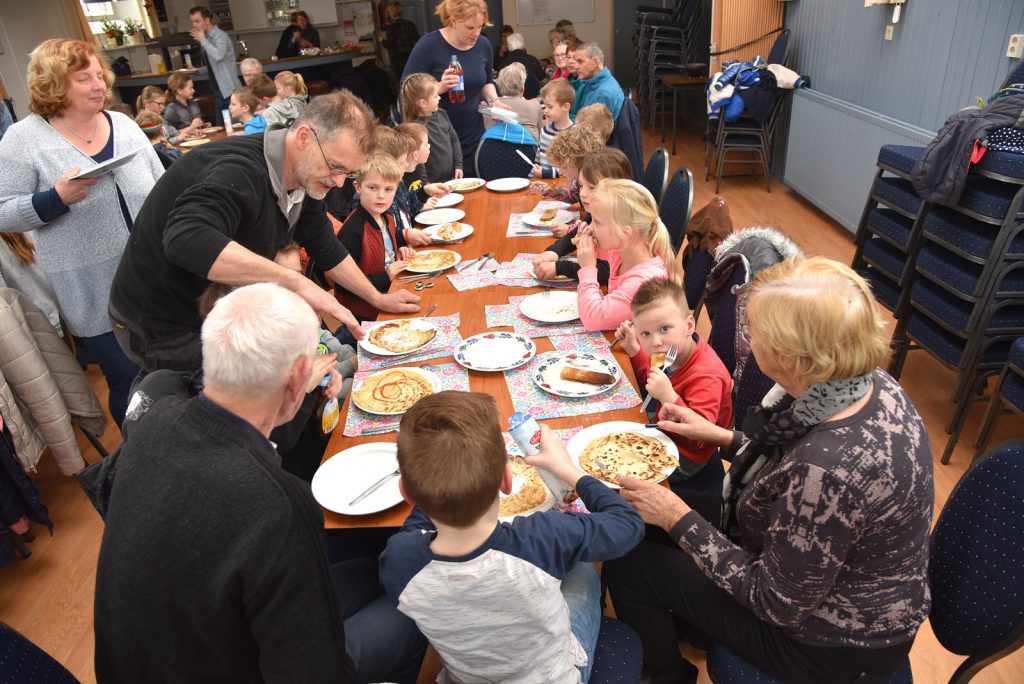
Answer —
(737, 21)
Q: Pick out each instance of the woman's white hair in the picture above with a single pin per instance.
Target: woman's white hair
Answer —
(515, 41)
(511, 80)
(253, 336)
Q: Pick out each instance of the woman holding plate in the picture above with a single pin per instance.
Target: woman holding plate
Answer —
(817, 571)
(81, 224)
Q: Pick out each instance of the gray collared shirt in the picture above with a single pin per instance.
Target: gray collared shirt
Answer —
(220, 58)
(289, 202)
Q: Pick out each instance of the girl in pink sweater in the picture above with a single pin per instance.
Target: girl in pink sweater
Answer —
(625, 230)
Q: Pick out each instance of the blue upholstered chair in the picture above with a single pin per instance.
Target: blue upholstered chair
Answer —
(655, 176)
(498, 159)
(975, 572)
(1009, 394)
(619, 655)
(23, 661)
(677, 206)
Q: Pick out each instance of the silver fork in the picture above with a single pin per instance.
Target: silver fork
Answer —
(670, 358)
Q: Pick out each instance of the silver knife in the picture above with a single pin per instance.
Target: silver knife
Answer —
(374, 487)
(484, 259)
(379, 430)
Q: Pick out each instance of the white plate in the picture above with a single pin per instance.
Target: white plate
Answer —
(517, 484)
(436, 216)
(431, 377)
(465, 184)
(547, 374)
(551, 307)
(533, 218)
(508, 184)
(194, 143)
(213, 129)
(458, 258)
(449, 200)
(495, 351)
(585, 436)
(417, 324)
(347, 474)
(433, 230)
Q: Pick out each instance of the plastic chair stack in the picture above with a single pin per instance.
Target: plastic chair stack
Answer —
(1009, 392)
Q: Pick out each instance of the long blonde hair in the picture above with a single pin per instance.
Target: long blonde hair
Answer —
(631, 204)
(293, 81)
(415, 87)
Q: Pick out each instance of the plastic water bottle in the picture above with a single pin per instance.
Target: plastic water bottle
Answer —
(458, 92)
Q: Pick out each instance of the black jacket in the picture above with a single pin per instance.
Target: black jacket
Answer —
(940, 173)
(216, 194)
(531, 63)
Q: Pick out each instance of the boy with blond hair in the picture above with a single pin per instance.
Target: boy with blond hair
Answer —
(599, 118)
(556, 100)
(696, 379)
(501, 602)
(372, 236)
(415, 179)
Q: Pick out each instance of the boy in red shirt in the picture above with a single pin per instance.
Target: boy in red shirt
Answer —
(697, 379)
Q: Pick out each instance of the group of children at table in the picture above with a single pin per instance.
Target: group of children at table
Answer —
(521, 601)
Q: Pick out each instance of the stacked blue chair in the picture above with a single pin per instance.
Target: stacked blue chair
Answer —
(666, 41)
(1009, 393)
(975, 571)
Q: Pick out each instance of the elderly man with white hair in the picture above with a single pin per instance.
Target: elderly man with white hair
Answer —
(251, 69)
(212, 565)
(511, 81)
(596, 83)
(517, 53)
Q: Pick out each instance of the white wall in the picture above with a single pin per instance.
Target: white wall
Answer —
(600, 30)
(23, 25)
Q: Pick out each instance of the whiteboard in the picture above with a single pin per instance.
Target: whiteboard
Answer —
(541, 12)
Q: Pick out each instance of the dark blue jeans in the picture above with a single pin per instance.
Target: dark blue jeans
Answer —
(384, 644)
(117, 368)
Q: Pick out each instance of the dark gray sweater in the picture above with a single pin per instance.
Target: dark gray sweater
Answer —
(445, 149)
(212, 566)
(835, 537)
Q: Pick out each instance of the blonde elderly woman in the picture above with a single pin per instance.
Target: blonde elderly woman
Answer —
(818, 572)
(510, 81)
(81, 226)
(459, 36)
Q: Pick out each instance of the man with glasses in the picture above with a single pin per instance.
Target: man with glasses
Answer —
(223, 211)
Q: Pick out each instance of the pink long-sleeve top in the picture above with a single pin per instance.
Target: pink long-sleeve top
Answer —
(605, 312)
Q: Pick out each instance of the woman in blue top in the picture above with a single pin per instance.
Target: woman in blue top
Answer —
(462, 21)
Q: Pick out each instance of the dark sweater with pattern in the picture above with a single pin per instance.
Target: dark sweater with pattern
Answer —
(362, 237)
(835, 534)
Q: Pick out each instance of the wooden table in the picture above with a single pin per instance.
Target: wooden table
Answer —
(678, 83)
(488, 213)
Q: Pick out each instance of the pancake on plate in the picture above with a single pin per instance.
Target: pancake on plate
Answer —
(433, 260)
(449, 230)
(627, 454)
(392, 391)
(527, 497)
(400, 336)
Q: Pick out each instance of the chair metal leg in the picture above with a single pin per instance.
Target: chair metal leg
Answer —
(988, 424)
(764, 166)
(95, 442)
(956, 425)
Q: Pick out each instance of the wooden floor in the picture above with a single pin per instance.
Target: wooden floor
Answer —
(49, 596)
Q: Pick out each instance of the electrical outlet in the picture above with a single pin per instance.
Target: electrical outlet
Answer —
(888, 31)
(1016, 47)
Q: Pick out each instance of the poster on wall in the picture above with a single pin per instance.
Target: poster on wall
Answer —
(540, 12)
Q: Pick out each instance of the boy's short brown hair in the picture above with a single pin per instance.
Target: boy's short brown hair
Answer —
(608, 162)
(263, 87)
(652, 292)
(573, 145)
(393, 142)
(413, 130)
(599, 118)
(452, 456)
(561, 90)
(381, 164)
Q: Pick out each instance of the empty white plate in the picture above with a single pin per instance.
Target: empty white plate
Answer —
(508, 184)
(497, 351)
(436, 216)
(449, 200)
(551, 306)
(347, 474)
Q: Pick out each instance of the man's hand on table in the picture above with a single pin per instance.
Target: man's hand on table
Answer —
(554, 458)
(399, 301)
(656, 504)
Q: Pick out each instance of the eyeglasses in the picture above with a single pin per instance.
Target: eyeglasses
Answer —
(332, 169)
(159, 103)
(561, 56)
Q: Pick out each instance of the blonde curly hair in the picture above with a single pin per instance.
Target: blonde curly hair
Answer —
(51, 64)
(572, 146)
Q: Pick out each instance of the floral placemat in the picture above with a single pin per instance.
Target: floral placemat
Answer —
(448, 337)
(453, 377)
(533, 401)
(516, 227)
(503, 315)
(592, 341)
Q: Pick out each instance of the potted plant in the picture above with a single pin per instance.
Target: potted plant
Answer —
(113, 31)
(133, 29)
